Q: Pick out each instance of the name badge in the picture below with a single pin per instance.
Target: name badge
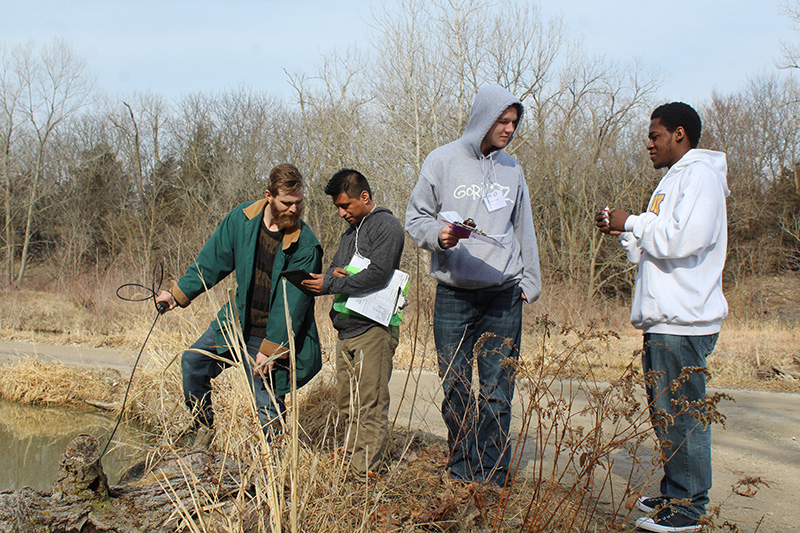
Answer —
(360, 262)
(494, 201)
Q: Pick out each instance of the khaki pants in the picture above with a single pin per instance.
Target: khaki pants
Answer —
(363, 369)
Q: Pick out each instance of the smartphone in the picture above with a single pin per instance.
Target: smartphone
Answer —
(295, 277)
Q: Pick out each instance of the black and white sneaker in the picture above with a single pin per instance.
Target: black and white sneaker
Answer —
(669, 521)
(648, 505)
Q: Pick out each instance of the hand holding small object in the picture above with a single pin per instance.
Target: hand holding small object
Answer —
(449, 236)
(314, 285)
(265, 363)
(603, 220)
(339, 272)
(165, 302)
(611, 222)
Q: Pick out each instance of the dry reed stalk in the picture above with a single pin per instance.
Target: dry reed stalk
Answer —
(582, 427)
(330, 502)
(247, 444)
(295, 433)
(321, 495)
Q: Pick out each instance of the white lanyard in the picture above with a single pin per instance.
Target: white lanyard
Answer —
(492, 200)
(358, 260)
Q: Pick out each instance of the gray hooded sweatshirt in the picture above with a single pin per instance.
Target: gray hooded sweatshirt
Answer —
(379, 238)
(456, 177)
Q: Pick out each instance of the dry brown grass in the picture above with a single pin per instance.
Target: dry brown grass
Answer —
(54, 383)
(558, 492)
(762, 328)
(413, 493)
(576, 431)
(577, 448)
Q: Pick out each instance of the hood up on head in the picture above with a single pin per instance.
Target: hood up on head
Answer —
(490, 102)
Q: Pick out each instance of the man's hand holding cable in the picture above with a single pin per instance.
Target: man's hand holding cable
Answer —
(167, 298)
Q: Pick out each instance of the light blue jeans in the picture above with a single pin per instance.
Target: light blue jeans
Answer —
(480, 447)
(199, 369)
(687, 467)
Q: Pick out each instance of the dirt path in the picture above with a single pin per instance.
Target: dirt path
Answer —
(72, 354)
(761, 438)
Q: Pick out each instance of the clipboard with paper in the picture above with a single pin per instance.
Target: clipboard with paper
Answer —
(454, 220)
(384, 306)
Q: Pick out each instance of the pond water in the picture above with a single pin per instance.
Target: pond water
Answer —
(34, 438)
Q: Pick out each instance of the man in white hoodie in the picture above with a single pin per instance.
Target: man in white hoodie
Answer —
(680, 246)
(481, 284)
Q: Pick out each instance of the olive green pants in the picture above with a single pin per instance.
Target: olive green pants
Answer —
(363, 369)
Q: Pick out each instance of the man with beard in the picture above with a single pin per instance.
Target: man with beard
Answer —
(258, 240)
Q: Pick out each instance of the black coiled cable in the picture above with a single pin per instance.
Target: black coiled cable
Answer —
(160, 307)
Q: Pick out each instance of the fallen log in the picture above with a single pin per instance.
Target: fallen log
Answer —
(82, 500)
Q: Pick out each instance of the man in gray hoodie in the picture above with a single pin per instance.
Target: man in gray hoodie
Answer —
(368, 254)
(482, 279)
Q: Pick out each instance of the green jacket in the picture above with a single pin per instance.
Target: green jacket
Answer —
(232, 248)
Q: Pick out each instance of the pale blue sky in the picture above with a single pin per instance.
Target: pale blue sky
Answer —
(174, 47)
(696, 46)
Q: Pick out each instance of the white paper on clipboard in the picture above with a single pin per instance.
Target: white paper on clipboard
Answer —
(380, 305)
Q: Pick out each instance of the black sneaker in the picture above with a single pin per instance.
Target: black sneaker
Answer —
(668, 521)
(648, 505)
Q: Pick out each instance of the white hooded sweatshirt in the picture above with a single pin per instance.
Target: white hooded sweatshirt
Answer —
(680, 245)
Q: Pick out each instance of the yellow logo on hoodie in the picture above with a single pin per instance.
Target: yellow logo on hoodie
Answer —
(655, 203)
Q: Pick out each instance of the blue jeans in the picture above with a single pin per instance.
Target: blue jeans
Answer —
(198, 370)
(480, 447)
(687, 467)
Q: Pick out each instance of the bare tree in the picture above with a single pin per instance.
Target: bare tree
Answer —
(426, 62)
(331, 129)
(55, 88)
(757, 128)
(11, 94)
(791, 50)
(138, 128)
(162, 176)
